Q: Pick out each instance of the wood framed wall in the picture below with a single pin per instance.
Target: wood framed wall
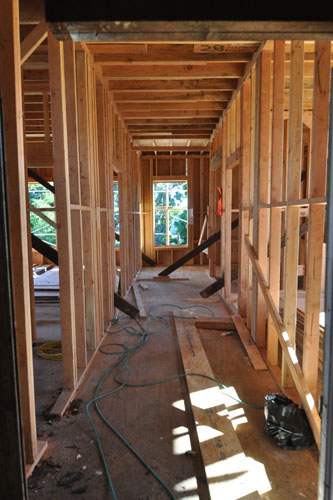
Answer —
(281, 145)
(70, 133)
(194, 169)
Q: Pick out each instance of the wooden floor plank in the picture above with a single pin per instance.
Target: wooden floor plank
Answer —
(214, 323)
(226, 466)
(139, 303)
(249, 344)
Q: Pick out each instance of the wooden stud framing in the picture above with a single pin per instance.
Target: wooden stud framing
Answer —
(263, 174)
(288, 348)
(62, 196)
(293, 187)
(11, 90)
(316, 215)
(276, 194)
(243, 275)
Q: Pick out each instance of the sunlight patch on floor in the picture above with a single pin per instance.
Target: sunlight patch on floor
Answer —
(236, 477)
(180, 404)
(181, 442)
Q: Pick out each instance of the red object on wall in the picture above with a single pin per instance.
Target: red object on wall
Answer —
(219, 210)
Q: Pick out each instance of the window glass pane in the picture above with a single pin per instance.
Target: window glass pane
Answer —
(170, 221)
(177, 227)
(41, 197)
(178, 194)
(116, 211)
(160, 199)
(160, 239)
(159, 186)
(160, 221)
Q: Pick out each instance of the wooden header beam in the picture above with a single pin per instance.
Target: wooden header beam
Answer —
(171, 148)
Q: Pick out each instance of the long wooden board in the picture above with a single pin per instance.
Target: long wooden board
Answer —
(139, 303)
(227, 468)
(287, 348)
(249, 344)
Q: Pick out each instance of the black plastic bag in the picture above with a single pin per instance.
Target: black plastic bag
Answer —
(286, 423)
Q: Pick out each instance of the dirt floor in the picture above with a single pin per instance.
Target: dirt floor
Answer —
(157, 420)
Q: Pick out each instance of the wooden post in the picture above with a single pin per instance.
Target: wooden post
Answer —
(293, 193)
(11, 91)
(228, 206)
(75, 199)
(316, 213)
(276, 194)
(86, 195)
(62, 196)
(262, 179)
(244, 172)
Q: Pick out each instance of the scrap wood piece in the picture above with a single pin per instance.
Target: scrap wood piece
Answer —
(213, 323)
(139, 303)
(249, 344)
(227, 468)
(288, 349)
(143, 286)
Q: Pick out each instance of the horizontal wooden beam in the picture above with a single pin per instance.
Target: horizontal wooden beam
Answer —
(208, 70)
(287, 348)
(189, 31)
(168, 53)
(176, 113)
(186, 96)
(159, 127)
(170, 148)
(174, 85)
(171, 137)
(174, 121)
(158, 106)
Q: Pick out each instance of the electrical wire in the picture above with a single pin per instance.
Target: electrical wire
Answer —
(121, 366)
(50, 350)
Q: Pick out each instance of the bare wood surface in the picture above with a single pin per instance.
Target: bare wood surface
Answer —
(33, 40)
(249, 344)
(217, 451)
(288, 349)
(139, 303)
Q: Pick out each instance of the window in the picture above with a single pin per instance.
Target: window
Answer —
(170, 213)
(42, 199)
(116, 210)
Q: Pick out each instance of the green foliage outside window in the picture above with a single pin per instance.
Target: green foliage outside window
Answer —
(116, 210)
(170, 213)
(40, 197)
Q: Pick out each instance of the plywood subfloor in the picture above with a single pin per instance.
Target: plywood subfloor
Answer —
(157, 420)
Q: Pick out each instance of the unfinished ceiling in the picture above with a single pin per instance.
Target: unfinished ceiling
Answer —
(167, 94)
